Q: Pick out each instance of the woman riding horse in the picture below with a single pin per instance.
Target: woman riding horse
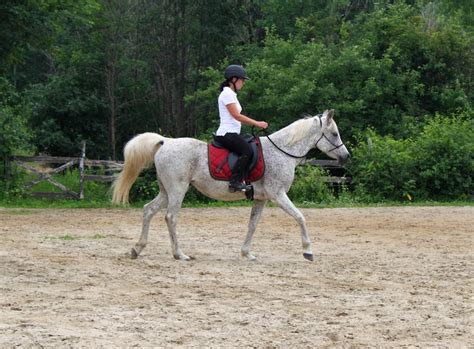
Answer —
(228, 133)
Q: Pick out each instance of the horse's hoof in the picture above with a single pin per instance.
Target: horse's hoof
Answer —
(308, 256)
(249, 257)
(133, 254)
(184, 258)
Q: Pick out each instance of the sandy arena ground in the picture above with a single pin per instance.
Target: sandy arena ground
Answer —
(387, 277)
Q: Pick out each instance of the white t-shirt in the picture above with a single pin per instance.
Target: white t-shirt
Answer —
(228, 122)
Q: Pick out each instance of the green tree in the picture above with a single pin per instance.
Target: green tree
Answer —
(68, 104)
(419, 41)
(191, 36)
(23, 26)
(14, 115)
(388, 69)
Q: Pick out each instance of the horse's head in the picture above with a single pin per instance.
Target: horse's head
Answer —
(330, 141)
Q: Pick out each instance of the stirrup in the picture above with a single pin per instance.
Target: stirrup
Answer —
(233, 187)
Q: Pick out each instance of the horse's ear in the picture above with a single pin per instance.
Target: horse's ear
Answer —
(329, 115)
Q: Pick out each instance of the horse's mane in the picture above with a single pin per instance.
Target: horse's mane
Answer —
(299, 129)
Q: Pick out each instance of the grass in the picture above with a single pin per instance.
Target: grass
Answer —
(27, 202)
(68, 237)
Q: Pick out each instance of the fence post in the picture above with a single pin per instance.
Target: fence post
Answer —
(81, 171)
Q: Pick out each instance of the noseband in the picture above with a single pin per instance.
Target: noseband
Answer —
(315, 146)
(325, 137)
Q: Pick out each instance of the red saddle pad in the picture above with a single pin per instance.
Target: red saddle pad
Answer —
(219, 166)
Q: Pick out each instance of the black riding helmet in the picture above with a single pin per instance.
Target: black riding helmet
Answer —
(235, 70)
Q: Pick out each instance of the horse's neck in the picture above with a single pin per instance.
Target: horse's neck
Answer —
(299, 148)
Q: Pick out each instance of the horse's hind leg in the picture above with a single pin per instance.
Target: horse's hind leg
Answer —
(257, 210)
(175, 199)
(285, 203)
(149, 210)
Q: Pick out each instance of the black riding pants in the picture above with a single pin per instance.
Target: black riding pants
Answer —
(236, 143)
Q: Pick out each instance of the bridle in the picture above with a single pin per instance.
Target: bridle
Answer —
(323, 135)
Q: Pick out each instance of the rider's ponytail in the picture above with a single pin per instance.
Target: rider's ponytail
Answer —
(226, 83)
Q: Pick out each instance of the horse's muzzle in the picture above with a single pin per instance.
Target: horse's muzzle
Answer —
(342, 160)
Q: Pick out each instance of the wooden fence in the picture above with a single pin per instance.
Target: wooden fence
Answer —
(336, 178)
(110, 167)
(337, 171)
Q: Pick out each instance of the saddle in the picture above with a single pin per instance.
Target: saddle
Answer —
(222, 161)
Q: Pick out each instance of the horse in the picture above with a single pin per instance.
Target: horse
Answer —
(181, 162)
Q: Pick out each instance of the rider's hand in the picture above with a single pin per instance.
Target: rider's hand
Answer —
(262, 124)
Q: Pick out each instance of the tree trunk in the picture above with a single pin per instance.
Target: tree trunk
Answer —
(111, 82)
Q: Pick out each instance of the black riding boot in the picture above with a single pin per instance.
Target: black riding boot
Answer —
(235, 183)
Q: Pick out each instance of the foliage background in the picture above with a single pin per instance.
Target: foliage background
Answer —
(398, 72)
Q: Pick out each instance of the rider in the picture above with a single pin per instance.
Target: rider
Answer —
(228, 132)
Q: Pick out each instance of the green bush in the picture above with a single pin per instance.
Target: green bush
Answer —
(382, 167)
(308, 186)
(444, 157)
(437, 163)
(146, 186)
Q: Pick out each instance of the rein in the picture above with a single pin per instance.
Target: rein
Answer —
(284, 152)
(301, 157)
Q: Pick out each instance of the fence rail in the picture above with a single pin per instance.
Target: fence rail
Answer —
(332, 166)
(110, 167)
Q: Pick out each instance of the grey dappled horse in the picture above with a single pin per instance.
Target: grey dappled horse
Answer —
(183, 161)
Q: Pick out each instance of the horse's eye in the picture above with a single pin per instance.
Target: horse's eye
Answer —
(334, 134)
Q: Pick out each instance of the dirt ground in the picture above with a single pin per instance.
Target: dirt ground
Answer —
(386, 277)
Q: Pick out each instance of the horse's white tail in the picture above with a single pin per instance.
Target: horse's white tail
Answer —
(138, 154)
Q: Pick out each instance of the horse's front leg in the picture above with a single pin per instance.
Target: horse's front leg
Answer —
(285, 203)
(254, 218)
